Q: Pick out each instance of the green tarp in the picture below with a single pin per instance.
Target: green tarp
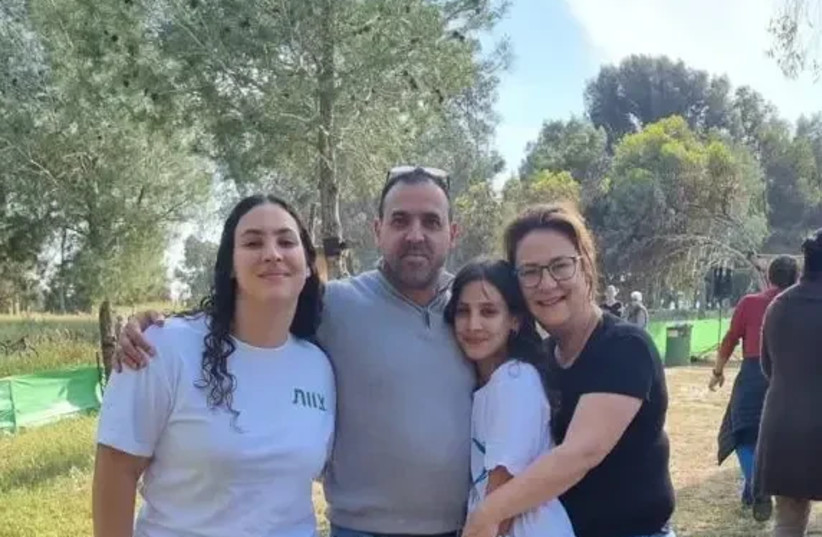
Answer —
(6, 406)
(705, 334)
(32, 400)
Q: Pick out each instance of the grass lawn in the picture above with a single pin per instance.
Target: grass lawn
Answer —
(43, 342)
(45, 473)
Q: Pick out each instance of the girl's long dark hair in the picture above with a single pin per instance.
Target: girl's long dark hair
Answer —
(525, 344)
(220, 304)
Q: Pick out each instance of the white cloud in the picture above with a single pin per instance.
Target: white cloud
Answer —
(724, 36)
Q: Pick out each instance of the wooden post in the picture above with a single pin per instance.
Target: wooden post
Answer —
(107, 341)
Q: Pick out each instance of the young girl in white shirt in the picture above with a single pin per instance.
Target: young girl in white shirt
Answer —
(510, 421)
(233, 420)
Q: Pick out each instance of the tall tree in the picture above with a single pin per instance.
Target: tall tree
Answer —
(24, 222)
(642, 89)
(107, 183)
(792, 168)
(313, 87)
(578, 148)
(481, 221)
(574, 146)
(677, 204)
(755, 117)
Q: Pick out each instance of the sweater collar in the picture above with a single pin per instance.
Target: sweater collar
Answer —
(440, 297)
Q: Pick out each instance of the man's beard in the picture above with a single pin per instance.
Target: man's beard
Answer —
(414, 278)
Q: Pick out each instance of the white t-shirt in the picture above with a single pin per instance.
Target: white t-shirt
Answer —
(208, 477)
(510, 427)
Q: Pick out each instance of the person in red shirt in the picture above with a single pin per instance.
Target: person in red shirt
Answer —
(740, 426)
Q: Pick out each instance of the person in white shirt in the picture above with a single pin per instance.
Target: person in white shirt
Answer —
(511, 414)
(230, 427)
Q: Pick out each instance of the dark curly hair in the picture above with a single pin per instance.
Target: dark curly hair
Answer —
(219, 306)
(525, 344)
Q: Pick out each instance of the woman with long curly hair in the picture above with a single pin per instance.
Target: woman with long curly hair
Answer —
(230, 427)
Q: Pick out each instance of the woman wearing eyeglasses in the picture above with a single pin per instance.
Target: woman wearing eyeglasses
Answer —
(608, 391)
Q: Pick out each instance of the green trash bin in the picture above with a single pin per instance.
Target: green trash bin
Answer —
(678, 345)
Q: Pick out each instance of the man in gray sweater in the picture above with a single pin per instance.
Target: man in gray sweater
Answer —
(402, 451)
(401, 456)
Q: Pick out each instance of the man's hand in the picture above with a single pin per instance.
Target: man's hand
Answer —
(717, 380)
(132, 348)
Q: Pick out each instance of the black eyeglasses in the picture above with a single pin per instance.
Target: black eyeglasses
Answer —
(560, 269)
(433, 173)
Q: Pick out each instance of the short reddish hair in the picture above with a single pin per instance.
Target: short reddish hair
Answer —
(563, 218)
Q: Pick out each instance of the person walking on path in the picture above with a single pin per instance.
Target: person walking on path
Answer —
(789, 453)
(740, 425)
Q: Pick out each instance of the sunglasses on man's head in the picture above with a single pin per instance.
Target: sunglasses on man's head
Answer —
(434, 173)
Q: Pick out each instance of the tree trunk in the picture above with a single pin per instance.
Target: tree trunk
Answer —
(62, 271)
(331, 228)
(106, 336)
(312, 222)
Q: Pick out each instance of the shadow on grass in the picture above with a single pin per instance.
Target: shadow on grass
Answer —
(712, 508)
(40, 472)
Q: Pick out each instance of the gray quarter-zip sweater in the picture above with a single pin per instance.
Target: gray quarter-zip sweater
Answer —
(401, 456)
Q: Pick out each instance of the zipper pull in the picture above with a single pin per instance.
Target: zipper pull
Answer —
(427, 316)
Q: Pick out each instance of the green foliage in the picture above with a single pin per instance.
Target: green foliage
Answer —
(479, 216)
(541, 187)
(739, 130)
(48, 356)
(50, 328)
(642, 89)
(30, 345)
(575, 146)
(283, 91)
(101, 183)
(198, 268)
(791, 165)
(677, 203)
(115, 116)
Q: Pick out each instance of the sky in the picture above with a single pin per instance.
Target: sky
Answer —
(558, 45)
